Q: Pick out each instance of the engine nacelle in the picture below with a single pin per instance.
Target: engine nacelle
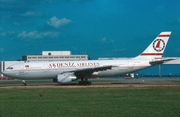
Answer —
(65, 78)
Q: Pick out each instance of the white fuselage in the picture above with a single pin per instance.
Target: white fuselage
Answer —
(51, 69)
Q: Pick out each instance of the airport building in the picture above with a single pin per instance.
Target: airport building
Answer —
(55, 56)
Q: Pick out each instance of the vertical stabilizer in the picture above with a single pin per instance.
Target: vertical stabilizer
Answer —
(157, 47)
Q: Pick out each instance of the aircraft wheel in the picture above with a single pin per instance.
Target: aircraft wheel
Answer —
(89, 83)
(24, 84)
(80, 82)
(84, 83)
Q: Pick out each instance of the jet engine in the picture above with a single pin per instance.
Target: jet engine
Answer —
(65, 78)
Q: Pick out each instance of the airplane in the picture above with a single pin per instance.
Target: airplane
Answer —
(68, 71)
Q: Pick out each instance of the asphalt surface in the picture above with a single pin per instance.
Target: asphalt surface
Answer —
(102, 82)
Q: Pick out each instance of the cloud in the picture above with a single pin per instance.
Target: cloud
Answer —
(11, 10)
(55, 22)
(174, 22)
(37, 35)
(37, 15)
(3, 34)
(27, 14)
(80, 0)
(105, 40)
(1, 49)
(8, 1)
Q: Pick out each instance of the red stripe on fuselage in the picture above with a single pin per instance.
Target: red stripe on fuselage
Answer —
(164, 35)
(151, 54)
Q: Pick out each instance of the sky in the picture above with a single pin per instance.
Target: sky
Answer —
(99, 28)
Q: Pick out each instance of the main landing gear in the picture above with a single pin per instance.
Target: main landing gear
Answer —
(85, 83)
(24, 83)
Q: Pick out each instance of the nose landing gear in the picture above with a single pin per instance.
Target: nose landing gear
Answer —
(24, 83)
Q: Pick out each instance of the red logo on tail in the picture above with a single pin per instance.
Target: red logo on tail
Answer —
(158, 45)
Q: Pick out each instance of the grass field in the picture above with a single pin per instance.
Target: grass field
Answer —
(90, 102)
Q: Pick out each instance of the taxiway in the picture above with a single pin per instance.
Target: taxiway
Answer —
(102, 82)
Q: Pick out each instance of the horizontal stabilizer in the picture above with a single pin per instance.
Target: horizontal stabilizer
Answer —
(160, 61)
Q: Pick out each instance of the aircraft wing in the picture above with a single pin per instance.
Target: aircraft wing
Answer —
(94, 69)
(160, 61)
(87, 72)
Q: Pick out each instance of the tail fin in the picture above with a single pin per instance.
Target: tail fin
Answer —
(157, 47)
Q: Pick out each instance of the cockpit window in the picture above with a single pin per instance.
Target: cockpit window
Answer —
(10, 68)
